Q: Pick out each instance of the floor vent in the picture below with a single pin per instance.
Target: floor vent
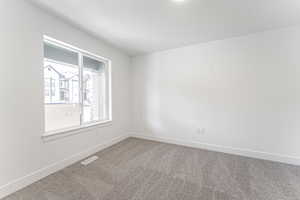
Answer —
(89, 160)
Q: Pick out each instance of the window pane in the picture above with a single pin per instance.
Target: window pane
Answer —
(93, 90)
(62, 108)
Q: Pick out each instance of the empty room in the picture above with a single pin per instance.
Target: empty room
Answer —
(150, 100)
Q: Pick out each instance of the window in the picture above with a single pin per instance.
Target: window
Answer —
(49, 88)
(76, 87)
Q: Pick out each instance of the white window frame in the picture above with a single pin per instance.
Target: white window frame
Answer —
(108, 98)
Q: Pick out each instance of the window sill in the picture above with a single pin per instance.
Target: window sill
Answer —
(54, 135)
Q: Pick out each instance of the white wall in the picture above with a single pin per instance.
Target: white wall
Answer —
(244, 91)
(22, 150)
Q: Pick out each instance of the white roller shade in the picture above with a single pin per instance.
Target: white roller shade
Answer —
(60, 54)
(93, 64)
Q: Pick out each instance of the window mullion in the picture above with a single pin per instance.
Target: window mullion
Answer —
(80, 57)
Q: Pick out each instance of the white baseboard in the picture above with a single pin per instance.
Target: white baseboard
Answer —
(22, 182)
(225, 149)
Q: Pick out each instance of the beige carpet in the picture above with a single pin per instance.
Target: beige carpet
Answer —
(144, 170)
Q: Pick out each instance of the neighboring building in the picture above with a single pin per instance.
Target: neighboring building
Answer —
(61, 86)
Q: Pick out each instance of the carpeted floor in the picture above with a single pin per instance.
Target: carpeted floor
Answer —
(137, 169)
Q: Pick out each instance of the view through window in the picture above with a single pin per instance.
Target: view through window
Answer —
(76, 87)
